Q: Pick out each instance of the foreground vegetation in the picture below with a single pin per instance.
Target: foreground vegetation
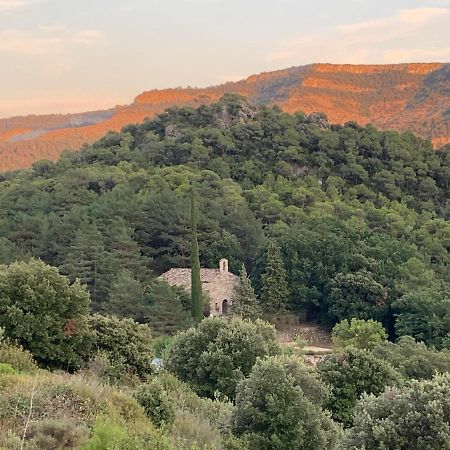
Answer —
(340, 224)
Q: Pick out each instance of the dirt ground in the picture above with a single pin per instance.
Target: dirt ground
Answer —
(317, 337)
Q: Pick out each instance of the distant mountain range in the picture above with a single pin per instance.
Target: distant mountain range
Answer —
(397, 96)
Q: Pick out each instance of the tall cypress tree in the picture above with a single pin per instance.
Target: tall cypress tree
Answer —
(196, 285)
(274, 291)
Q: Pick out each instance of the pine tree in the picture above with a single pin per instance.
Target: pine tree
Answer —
(196, 285)
(164, 309)
(125, 297)
(274, 291)
(86, 260)
(245, 304)
(124, 251)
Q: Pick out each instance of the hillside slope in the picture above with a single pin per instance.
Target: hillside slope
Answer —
(400, 96)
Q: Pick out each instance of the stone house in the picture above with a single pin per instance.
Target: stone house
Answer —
(218, 284)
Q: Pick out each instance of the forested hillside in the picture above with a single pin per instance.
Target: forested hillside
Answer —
(394, 96)
(360, 215)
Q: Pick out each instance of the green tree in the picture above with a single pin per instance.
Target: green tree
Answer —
(165, 308)
(217, 354)
(413, 359)
(245, 304)
(350, 375)
(44, 313)
(413, 417)
(424, 315)
(125, 297)
(86, 260)
(274, 292)
(196, 284)
(278, 407)
(362, 334)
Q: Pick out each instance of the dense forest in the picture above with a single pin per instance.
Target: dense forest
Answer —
(359, 214)
(331, 222)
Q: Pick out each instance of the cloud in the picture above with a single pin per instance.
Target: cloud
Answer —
(410, 34)
(9, 5)
(46, 40)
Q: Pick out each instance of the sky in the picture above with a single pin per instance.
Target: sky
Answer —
(78, 55)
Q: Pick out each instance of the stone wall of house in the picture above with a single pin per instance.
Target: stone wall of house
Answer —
(220, 289)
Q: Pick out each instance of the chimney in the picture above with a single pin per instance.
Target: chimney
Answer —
(223, 265)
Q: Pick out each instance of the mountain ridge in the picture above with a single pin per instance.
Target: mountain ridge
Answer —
(405, 96)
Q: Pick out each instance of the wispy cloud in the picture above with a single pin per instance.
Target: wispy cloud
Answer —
(401, 37)
(9, 5)
(46, 40)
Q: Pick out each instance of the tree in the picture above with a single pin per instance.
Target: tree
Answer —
(165, 308)
(357, 295)
(44, 313)
(362, 334)
(245, 304)
(278, 407)
(196, 284)
(217, 354)
(127, 344)
(274, 292)
(413, 359)
(125, 297)
(86, 260)
(424, 315)
(350, 375)
(413, 417)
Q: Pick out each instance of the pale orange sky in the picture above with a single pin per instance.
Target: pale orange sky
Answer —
(65, 56)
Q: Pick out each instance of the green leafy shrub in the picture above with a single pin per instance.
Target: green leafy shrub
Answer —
(352, 374)
(278, 407)
(157, 405)
(358, 333)
(17, 357)
(126, 344)
(213, 357)
(44, 313)
(7, 369)
(414, 417)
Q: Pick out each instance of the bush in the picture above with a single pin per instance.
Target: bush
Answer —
(157, 405)
(415, 417)
(52, 434)
(7, 369)
(278, 407)
(125, 343)
(216, 355)
(350, 375)
(17, 357)
(358, 333)
(414, 359)
(44, 313)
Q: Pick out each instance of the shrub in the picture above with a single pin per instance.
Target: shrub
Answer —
(44, 313)
(278, 407)
(157, 405)
(125, 343)
(52, 434)
(17, 357)
(213, 357)
(7, 369)
(358, 333)
(350, 375)
(414, 417)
